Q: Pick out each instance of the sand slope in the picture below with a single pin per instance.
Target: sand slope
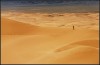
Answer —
(24, 43)
(75, 55)
(11, 27)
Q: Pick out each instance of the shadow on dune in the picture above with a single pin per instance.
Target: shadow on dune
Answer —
(90, 43)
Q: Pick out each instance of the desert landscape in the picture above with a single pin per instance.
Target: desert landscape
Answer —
(49, 38)
(29, 42)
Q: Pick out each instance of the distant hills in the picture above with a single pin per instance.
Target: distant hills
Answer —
(51, 5)
(45, 2)
(49, 1)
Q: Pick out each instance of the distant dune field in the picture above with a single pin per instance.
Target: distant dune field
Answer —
(66, 20)
(28, 43)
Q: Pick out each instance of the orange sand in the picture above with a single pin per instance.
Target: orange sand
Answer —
(23, 43)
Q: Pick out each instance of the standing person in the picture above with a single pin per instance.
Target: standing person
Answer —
(73, 27)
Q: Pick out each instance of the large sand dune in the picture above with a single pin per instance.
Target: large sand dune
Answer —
(11, 27)
(26, 43)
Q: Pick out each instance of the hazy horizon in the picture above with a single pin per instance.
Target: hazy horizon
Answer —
(50, 6)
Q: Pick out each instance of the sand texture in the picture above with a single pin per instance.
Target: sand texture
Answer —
(50, 38)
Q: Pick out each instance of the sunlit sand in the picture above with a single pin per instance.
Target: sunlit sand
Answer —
(49, 38)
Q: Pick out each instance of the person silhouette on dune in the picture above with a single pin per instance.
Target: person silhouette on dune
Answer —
(73, 27)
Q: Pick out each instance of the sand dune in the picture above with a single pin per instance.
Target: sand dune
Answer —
(91, 43)
(66, 20)
(11, 27)
(76, 55)
(26, 43)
